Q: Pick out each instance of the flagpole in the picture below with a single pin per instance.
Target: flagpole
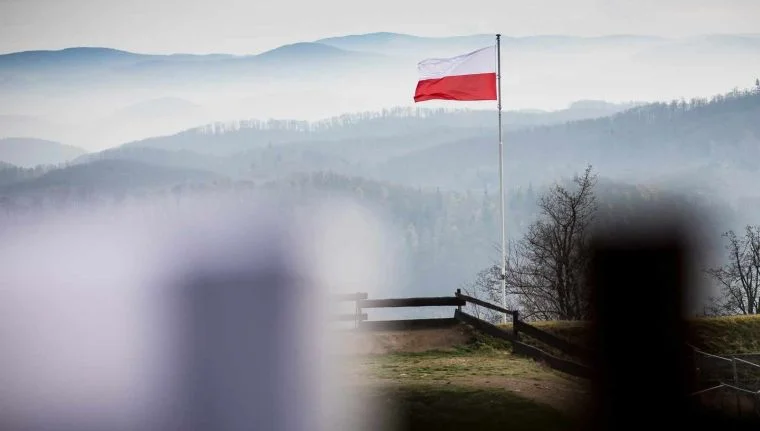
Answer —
(501, 185)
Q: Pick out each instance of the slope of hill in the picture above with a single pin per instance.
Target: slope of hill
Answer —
(10, 174)
(716, 335)
(405, 44)
(68, 58)
(108, 177)
(675, 145)
(441, 238)
(101, 66)
(305, 51)
(389, 131)
(255, 164)
(636, 144)
(181, 159)
(30, 152)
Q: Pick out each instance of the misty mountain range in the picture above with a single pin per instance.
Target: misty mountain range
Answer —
(434, 172)
(87, 127)
(31, 152)
(85, 96)
(701, 147)
(654, 143)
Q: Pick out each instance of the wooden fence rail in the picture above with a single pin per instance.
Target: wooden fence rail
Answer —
(407, 324)
(483, 326)
(459, 300)
(520, 348)
(444, 301)
(554, 341)
(569, 367)
(482, 303)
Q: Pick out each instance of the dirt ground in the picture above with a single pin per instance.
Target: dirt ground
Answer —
(420, 340)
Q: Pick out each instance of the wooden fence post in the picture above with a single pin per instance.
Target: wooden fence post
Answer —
(358, 313)
(459, 292)
(515, 318)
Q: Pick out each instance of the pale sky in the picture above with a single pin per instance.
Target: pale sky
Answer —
(251, 26)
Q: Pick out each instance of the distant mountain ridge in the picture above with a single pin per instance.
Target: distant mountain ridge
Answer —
(31, 152)
(385, 42)
(353, 73)
(347, 42)
(109, 176)
(226, 139)
(108, 56)
(376, 43)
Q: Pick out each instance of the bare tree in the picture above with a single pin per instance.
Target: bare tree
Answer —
(546, 269)
(739, 278)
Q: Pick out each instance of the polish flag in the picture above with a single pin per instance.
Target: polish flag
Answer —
(466, 77)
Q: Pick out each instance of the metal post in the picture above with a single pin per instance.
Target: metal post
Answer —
(736, 384)
(501, 184)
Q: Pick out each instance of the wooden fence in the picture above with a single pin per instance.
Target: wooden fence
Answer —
(460, 300)
(362, 303)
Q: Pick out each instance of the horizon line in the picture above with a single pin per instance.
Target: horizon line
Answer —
(322, 39)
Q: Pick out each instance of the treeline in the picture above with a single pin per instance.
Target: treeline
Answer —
(687, 144)
(547, 265)
(10, 174)
(444, 236)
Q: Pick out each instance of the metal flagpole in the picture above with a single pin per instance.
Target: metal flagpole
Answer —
(501, 184)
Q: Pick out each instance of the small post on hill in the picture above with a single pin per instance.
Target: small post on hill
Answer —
(515, 330)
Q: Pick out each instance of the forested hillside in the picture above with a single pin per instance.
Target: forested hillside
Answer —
(433, 173)
(670, 140)
(437, 125)
(662, 144)
(442, 237)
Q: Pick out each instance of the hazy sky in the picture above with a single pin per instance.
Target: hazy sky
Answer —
(250, 26)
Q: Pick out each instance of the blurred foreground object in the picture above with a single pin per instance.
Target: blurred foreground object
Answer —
(209, 318)
(642, 289)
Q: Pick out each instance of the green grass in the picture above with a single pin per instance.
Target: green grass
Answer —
(734, 334)
(482, 386)
(718, 335)
(483, 356)
(479, 386)
(443, 366)
(435, 407)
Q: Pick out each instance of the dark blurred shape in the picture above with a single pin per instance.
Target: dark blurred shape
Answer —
(642, 364)
(236, 366)
(211, 318)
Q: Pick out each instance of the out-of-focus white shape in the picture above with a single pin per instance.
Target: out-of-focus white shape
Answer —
(209, 317)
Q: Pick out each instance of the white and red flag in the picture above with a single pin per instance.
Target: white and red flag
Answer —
(472, 76)
(465, 77)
